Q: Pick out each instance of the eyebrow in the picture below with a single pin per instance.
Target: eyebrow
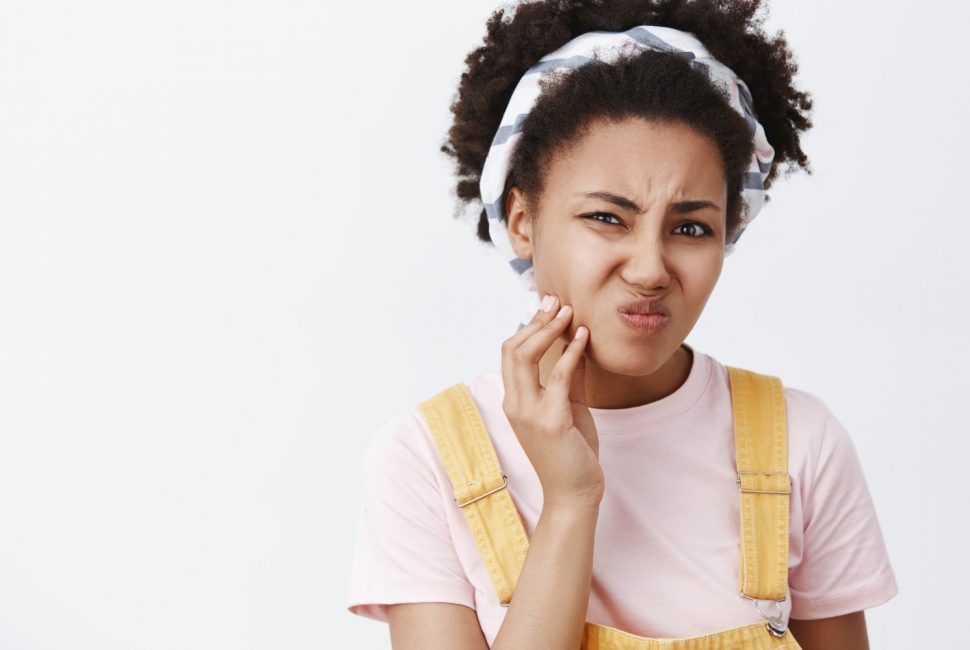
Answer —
(627, 204)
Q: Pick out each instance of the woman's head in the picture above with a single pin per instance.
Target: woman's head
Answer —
(634, 209)
(649, 127)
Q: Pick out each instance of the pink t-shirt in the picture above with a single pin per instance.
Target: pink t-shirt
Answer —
(665, 558)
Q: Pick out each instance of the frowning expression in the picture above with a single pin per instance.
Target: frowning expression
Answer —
(632, 210)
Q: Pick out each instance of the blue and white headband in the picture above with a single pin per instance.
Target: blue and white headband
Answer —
(608, 46)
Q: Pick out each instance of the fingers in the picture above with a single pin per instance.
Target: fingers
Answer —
(527, 356)
(567, 379)
(522, 352)
(577, 387)
(513, 342)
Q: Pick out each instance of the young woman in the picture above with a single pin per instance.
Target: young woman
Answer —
(632, 492)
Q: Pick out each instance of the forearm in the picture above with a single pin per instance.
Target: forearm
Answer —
(548, 609)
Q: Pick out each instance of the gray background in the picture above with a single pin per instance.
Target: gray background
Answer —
(227, 257)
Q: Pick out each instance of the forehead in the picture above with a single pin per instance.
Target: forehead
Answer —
(640, 159)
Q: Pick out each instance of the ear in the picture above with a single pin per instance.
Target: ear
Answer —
(519, 224)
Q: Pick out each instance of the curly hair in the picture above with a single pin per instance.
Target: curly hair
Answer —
(653, 85)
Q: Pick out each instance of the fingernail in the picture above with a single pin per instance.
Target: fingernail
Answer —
(563, 311)
(547, 303)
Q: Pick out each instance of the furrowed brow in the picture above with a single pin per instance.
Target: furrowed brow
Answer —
(627, 204)
(690, 206)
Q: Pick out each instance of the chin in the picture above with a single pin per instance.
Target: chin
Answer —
(629, 358)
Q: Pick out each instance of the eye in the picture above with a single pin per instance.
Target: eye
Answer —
(592, 217)
(705, 230)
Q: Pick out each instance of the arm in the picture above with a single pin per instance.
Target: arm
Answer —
(434, 626)
(846, 632)
(551, 597)
(552, 594)
(557, 433)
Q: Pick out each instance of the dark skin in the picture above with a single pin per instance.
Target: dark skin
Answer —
(455, 626)
(846, 632)
(593, 265)
(683, 271)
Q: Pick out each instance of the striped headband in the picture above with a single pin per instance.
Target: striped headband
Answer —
(608, 46)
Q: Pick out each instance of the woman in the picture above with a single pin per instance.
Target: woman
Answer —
(619, 154)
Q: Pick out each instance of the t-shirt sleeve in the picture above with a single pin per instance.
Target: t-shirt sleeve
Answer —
(403, 551)
(845, 565)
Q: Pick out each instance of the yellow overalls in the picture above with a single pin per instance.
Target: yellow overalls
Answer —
(761, 450)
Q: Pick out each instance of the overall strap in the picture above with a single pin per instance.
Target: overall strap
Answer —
(480, 486)
(761, 449)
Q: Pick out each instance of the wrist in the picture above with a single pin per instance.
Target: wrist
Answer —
(566, 510)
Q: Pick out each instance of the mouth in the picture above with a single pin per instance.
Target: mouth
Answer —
(646, 323)
(645, 307)
(646, 316)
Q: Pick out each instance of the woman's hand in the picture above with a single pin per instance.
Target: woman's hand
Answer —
(552, 422)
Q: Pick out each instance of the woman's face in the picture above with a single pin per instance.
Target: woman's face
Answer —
(633, 210)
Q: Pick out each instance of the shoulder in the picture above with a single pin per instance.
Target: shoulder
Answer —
(398, 468)
(813, 431)
(404, 447)
(806, 412)
(815, 435)
(400, 436)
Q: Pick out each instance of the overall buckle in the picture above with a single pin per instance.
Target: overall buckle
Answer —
(472, 499)
(777, 625)
(780, 486)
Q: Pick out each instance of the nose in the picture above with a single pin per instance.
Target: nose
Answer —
(645, 264)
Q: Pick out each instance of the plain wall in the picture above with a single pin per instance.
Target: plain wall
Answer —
(228, 257)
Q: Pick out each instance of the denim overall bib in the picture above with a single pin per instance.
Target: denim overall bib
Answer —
(764, 487)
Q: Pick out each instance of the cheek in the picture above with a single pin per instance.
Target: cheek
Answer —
(575, 266)
(696, 291)
(700, 277)
(564, 270)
